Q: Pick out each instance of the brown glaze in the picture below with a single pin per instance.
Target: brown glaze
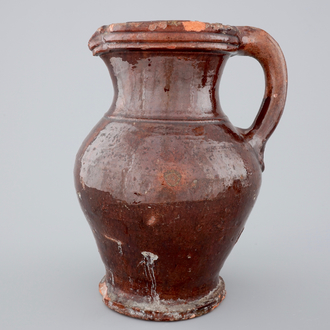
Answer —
(166, 182)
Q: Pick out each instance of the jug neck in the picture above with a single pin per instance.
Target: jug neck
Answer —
(166, 84)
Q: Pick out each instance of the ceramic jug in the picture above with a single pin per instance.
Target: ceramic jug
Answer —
(164, 179)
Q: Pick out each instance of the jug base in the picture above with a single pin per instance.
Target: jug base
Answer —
(156, 309)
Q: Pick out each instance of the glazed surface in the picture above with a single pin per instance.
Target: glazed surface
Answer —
(183, 196)
(165, 180)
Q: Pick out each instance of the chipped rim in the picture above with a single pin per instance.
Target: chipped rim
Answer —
(164, 35)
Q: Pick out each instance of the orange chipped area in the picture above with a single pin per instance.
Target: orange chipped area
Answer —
(154, 26)
(152, 221)
(194, 26)
(103, 289)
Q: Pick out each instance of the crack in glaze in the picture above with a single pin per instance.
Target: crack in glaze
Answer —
(119, 243)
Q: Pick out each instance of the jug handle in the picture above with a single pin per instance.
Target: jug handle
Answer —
(260, 45)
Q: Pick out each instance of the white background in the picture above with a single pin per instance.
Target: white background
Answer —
(53, 92)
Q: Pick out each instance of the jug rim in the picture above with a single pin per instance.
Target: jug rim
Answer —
(158, 35)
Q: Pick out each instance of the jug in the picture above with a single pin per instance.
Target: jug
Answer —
(164, 179)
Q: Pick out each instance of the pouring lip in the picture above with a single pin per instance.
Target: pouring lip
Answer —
(179, 34)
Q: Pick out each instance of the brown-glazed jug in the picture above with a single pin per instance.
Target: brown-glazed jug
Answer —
(164, 179)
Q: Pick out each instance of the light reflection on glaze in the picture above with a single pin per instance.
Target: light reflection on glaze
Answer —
(205, 168)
